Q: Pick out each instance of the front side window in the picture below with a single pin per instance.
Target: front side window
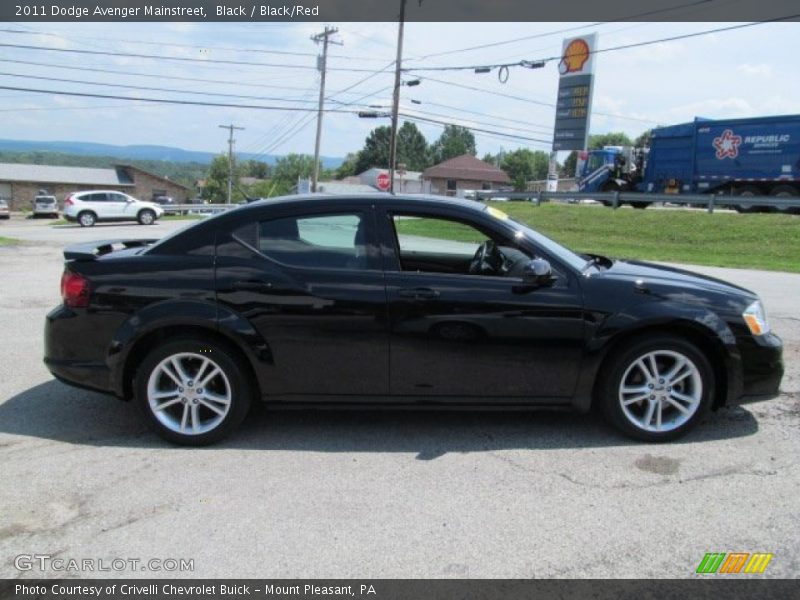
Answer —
(315, 241)
(432, 244)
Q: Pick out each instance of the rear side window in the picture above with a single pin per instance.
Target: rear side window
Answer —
(96, 197)
(333, 241)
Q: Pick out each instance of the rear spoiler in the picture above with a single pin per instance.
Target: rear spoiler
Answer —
(93, 250)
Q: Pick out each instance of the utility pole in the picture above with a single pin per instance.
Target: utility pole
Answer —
(396, 98)
(230, 128)
(322, 63)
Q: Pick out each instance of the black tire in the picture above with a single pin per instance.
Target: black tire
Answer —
(87, 218)
(146, 217)
(623, 364)
(639, 205)
(191, 351)
(785, 191)
(748, 191)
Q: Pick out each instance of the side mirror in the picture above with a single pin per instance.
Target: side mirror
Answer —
(538, 272)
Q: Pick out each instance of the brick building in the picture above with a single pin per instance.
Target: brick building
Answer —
(463, 173)
(20, 183)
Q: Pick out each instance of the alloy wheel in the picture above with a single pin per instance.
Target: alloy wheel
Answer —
(189, 393)
(660, 391)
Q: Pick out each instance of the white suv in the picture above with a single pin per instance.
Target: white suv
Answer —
(109, 205)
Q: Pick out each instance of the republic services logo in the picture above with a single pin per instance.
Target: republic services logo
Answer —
(727, 145)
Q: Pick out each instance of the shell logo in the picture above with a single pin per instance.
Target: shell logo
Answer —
(575, 56)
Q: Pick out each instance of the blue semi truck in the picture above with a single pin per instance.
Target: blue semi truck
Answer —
(732, 157)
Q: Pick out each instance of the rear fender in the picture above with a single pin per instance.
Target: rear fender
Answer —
(192, 315)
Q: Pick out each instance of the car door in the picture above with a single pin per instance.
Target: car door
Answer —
(119, 207)
(309, 281)
(463, 338)
(97, 202)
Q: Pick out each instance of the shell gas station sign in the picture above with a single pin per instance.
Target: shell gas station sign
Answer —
(574, 103)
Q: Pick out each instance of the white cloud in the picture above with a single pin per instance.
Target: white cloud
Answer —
(755, 70)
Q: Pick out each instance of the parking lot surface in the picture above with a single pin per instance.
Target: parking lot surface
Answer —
(379, 494)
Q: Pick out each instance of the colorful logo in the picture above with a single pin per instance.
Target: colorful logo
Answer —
(727, 144)
(734, 562)
(575, 56)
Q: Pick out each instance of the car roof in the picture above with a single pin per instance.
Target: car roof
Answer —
(377, 198)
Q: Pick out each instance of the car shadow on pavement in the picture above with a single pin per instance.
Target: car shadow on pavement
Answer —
(55, 411)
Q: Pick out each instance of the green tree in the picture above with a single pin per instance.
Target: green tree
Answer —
(375, 152)
(643, 141)
(348, 166)
(216, 187)
(525, 165)
(290, 168)
(412, 148)
(256, 168)
(616, 138)
(454, 141)
(570, 164)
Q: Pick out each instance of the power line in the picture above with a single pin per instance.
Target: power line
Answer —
(500, 133)
(173, 101)
(179, 58)
(467, 120)
(541, 61)
(530, 100)
(565, 30)
(151, 75)
(151, 88)
(201, 47)
(545, 128)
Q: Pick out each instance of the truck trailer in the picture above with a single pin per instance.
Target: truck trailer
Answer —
(730, 157)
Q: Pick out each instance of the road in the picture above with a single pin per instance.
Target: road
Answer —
(380, 494)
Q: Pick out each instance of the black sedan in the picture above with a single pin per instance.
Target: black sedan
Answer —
(392, 300)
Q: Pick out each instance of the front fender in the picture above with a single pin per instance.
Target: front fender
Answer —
(191, 314)
(665, 316)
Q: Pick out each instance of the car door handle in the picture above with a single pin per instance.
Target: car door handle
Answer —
(419, 293)
(252, 286)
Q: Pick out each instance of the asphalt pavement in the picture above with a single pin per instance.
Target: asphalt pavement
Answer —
(378, 494)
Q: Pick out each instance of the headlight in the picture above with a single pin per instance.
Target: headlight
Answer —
(756, 318)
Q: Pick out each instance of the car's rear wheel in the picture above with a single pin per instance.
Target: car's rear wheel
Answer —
(87, 219)
(146, 217)
(191, 391)
(657, 388)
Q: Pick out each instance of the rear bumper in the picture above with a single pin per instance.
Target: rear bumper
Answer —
(762, 368)
(70, 356)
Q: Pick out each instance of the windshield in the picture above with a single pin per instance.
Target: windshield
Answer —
(553, 248)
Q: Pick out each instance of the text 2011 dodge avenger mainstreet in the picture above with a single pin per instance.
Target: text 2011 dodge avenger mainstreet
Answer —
(395, 300)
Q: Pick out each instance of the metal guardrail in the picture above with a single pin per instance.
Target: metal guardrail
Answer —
(181, 209)
(616, 199)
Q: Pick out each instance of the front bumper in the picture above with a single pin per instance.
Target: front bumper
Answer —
(762, 367)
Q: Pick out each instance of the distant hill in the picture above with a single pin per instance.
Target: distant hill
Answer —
(139, 152)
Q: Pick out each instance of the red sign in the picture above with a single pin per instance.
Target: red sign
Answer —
(383, 182)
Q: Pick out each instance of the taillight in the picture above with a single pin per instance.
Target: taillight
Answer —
(68, 201)
(74, 290)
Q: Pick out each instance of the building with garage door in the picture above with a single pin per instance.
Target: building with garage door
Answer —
(20, 183)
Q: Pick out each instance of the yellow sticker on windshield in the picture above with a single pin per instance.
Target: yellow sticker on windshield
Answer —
(497, 213)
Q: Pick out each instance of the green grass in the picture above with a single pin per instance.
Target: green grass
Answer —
(7, 241)
(759, 241)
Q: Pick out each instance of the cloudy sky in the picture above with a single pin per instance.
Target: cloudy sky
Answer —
(744, 72)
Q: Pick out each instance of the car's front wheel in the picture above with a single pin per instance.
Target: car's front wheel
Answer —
(657, 388)
(146, 217)
(191, 391)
